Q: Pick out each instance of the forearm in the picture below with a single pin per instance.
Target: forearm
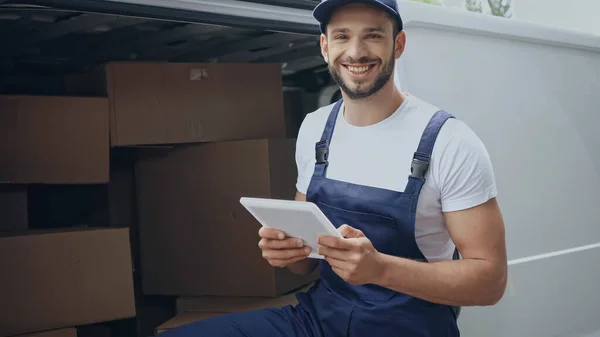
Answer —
(466, 282)
(303, 267)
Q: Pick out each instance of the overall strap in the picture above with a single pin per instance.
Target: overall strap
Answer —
(322, 146)
(420, 166)
(422, 157)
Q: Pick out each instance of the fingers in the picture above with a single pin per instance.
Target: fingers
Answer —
(338, 271)
(337, 265)
(333, 253)
(282, 258)
(288, 243)
(270, 233)
(275, 239)
(350, 232)
(347, 232)
(335, 242)
(280, 251)
(285, 263)
(285, 254)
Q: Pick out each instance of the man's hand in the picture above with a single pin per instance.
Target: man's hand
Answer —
(280, 251)
(353, 258)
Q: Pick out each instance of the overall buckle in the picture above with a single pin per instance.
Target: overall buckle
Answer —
(419, 167)
(322, 155)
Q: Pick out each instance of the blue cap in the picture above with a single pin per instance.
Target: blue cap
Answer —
(323, 10)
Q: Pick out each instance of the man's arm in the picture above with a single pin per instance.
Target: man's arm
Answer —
(306, 266)
(478, 279)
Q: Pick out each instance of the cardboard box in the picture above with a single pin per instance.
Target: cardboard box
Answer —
(65, 332)
(81, 331)
(96, 330)
(13, 208)
(54, 140)
(295, 110)
(171, 103)
(99, 205)
(190, 309)
(236, 304)
(151, 312)
(61, 278)
(185, 318)
(196, 238)
(67, 205)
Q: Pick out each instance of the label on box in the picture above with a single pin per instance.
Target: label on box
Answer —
(198, 74)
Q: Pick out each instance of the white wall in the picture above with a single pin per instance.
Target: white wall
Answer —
(530, 95)
(579, 15)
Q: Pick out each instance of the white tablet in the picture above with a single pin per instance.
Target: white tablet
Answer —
(298, 219)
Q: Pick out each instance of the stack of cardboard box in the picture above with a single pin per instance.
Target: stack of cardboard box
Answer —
(153, 158)
(221, 131)
(58, 276)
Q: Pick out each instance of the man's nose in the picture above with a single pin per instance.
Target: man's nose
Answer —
(357, 49)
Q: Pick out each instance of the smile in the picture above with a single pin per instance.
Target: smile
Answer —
(359, 70)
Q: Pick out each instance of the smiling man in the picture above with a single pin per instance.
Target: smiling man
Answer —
(408, 186)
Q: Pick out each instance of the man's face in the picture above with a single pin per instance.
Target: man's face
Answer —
(360, 49)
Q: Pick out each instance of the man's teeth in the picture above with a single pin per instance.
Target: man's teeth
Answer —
(359, 70)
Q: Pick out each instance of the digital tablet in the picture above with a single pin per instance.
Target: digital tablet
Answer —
(298, 219)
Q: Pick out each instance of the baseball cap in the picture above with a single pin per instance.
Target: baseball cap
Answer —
(323, 10)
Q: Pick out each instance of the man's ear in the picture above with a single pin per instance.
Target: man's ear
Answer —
(400, 44)
(324, 48)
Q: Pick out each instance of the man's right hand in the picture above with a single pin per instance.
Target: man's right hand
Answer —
(279, 250)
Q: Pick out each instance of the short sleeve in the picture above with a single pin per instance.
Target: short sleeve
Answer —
(464, 173)
(304, 160)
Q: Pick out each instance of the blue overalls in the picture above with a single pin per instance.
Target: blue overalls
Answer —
(333, 307)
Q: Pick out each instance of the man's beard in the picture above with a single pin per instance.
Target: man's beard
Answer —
(363, 92)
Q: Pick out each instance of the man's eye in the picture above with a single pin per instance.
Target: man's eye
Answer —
(374, 36)
(340, 37)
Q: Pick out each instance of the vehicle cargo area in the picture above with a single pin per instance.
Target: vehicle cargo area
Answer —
(132, 128)
(128, 142)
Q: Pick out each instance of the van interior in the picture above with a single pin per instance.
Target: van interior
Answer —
(42, 44)
(132, 128)
(53, 49)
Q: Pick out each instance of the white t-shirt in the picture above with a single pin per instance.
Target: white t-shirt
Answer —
(460, 174)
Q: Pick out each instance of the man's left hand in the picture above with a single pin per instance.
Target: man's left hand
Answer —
(353, 257)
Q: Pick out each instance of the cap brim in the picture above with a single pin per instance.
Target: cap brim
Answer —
(322, 11)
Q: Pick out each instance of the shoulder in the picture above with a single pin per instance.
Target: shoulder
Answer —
(315, 121)
(457, 130)
(309, 134)
(312, 126)
(462, 169)
(453, 133)
(457, 137)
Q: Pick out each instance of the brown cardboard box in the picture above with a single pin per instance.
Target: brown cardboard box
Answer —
(13, 208)
(54, 140)
(151, 312)
(97, 205)
(170, 103)
(81, 331)
(95, 330)
(191, 309)
(294, 107)
(100, 205)
(185, 318)
(61, 278)
(65, 332)
(236, 304)
(195, 237)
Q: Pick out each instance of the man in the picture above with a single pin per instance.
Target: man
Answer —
(406, 183)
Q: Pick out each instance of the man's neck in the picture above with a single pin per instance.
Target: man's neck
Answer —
(374, 109)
